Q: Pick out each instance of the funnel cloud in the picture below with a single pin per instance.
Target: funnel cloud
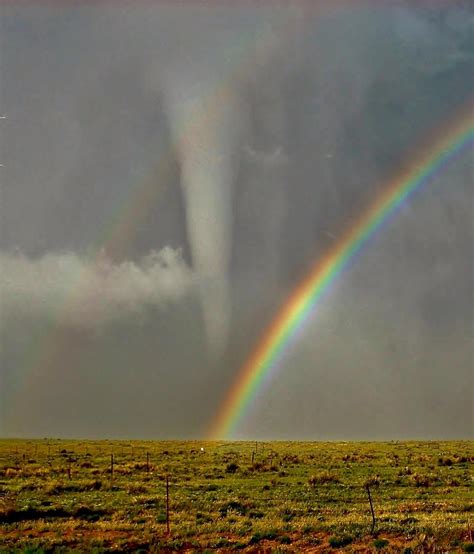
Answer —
(205, 131)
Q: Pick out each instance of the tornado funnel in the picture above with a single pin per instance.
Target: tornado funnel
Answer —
(204, 124)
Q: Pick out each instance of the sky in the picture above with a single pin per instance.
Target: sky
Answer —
(172, 170)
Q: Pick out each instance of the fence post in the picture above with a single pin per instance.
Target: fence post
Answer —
(371, 509)
(111, 466)
(167, 505)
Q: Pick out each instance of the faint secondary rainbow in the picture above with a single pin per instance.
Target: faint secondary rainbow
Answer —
(52, 343)
(450, 141)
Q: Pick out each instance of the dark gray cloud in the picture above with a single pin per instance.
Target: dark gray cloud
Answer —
(248, 138)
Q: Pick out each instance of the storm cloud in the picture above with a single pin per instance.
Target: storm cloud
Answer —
(171, 171)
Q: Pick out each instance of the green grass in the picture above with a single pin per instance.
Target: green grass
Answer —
(289, 496)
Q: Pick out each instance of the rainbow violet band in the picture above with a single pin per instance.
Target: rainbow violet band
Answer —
(453, 138)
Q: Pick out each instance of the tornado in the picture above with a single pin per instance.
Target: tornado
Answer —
(204, 121)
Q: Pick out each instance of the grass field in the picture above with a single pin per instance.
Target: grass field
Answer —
(61, 495)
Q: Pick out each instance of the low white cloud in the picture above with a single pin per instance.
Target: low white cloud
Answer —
(80, 291)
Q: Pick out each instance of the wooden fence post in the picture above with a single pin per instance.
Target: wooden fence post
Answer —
(167, 505)
(371, 509)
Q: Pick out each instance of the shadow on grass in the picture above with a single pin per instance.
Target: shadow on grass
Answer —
(33, 514)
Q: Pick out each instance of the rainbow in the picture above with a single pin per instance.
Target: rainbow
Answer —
(448, 143)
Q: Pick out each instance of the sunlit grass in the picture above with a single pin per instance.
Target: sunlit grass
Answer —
(234, 495)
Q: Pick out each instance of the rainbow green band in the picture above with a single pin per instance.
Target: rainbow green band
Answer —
(450, 141)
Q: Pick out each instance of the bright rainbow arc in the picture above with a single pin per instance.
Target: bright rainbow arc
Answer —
(456, 137)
